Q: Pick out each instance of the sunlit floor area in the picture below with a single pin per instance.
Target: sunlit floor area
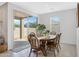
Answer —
(67, 50)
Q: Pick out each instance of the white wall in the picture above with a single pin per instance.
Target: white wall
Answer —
(10, 26)
(67, 26)
(6, 17)
(77, 42)
(3, 18)
(0, 23)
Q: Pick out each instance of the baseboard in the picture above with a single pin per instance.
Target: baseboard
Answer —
(68, 43)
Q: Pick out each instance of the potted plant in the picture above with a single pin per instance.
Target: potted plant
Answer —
(40, 28)
(46, 32)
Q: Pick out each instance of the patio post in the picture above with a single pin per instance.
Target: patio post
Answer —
(21, 27)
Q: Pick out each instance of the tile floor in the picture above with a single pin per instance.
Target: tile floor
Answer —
(67, 50)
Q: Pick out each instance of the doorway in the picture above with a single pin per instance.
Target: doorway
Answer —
(23, 25)
(19, 40)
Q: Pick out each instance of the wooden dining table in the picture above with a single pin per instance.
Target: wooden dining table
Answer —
(43, 40)
(46, 37)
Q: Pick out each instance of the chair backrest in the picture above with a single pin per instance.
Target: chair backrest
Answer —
(33, 40)
(58, 38)
(52, 33)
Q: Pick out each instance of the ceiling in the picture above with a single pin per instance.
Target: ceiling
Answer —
(46, 7)
(1, 3)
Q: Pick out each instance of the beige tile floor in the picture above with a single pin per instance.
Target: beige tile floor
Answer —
(67, 50)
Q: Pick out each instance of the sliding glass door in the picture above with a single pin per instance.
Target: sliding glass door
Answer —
(16, 29)
(23, 26)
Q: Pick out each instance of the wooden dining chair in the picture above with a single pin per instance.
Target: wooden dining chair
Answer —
(54, 44)
(58, 41)
(51, 45)
(35, 45)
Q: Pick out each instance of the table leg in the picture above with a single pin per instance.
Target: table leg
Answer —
(43, 45)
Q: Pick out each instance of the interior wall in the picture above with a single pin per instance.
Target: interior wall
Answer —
(0, 23)
(3, 18)
(67, 24)
(10, 26)
(6, 17)
(77, 42)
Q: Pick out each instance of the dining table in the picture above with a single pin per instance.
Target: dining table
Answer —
(47, 37)
(43, 40)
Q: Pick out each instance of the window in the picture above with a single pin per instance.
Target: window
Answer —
(16, 23)
(55, 19)
(16, 29)
(55, 24)
(30, 21)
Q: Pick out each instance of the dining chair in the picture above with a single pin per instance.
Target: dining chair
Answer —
(58, 42)
(35, 45)
(54, 43)
(51, 45)
(52, 33)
